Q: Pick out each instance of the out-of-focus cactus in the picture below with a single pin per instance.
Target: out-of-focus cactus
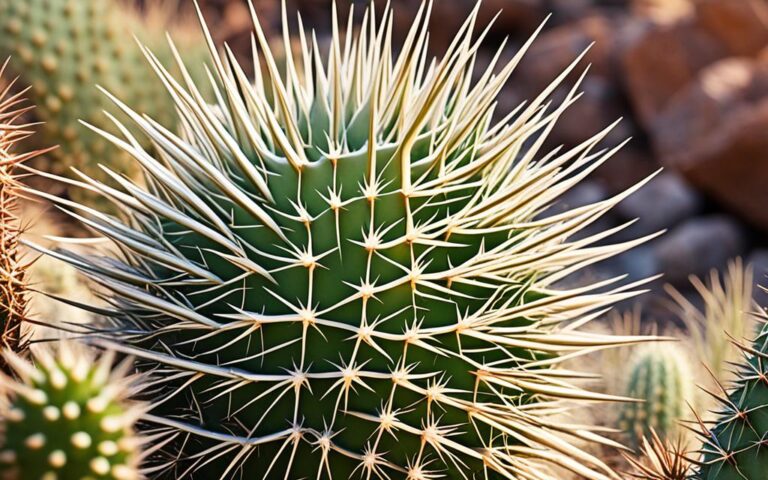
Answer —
(660, 376)
(63, 49)
(67, 418)
(736, 446)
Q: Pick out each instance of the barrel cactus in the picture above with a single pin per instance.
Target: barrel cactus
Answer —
(63, 49)
(661, 377)
(345, 268)
(67, 418)
(736, 446)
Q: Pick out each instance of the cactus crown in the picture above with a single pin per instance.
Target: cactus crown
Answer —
(67, 417)
(342, 268)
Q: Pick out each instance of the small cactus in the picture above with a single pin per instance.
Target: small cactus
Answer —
(660, 376)
(736, 447)
(64, 49)
(67, 418)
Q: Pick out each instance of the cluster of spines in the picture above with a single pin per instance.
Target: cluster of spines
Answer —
(659, 375)
(736, 444)
(13, 281)
(66, 417)
(661, 459)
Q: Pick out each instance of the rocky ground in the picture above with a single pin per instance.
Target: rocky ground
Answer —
(688, 77)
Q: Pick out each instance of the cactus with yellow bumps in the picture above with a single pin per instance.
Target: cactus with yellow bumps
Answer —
(63, 49)
(67, 417)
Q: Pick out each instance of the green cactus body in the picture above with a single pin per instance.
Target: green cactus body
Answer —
(66, 419)
(737, 446)
(660, 376)
(63, 49)
(354, 278)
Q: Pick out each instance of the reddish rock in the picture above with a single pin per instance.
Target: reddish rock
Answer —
(665, 58)
(740, 25)
(662, 60)
(714, 132)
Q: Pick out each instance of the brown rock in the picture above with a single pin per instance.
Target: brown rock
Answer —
(714, 132)
(662, 60)
(665, 58)
(740, 25)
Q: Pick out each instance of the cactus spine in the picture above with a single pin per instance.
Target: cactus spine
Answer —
(64, 49)
(13, 279)
(736, 447)
(352, 279)
(67, 418)
(660, 376)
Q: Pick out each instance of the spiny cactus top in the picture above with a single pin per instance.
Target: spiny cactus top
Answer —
(66, 418)
(343, 268)
(736, 447)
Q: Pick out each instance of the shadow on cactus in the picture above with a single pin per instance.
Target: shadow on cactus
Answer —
(67, 417)
(356, 278)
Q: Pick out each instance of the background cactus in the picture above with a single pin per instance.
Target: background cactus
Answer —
(736, 446)
(660, 376)
(356, 278)
(67, 418)
(64, 49)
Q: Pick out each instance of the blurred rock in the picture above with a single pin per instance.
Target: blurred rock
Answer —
(664, 58)
(628, 166)
(698, 245)
(714, 132)
(662, 203)
(740, 25)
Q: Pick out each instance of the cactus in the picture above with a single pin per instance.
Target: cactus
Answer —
(64, 49)
(736, 447)
(660, 376)
(67, 418)
(13, 278)
(356, 279)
